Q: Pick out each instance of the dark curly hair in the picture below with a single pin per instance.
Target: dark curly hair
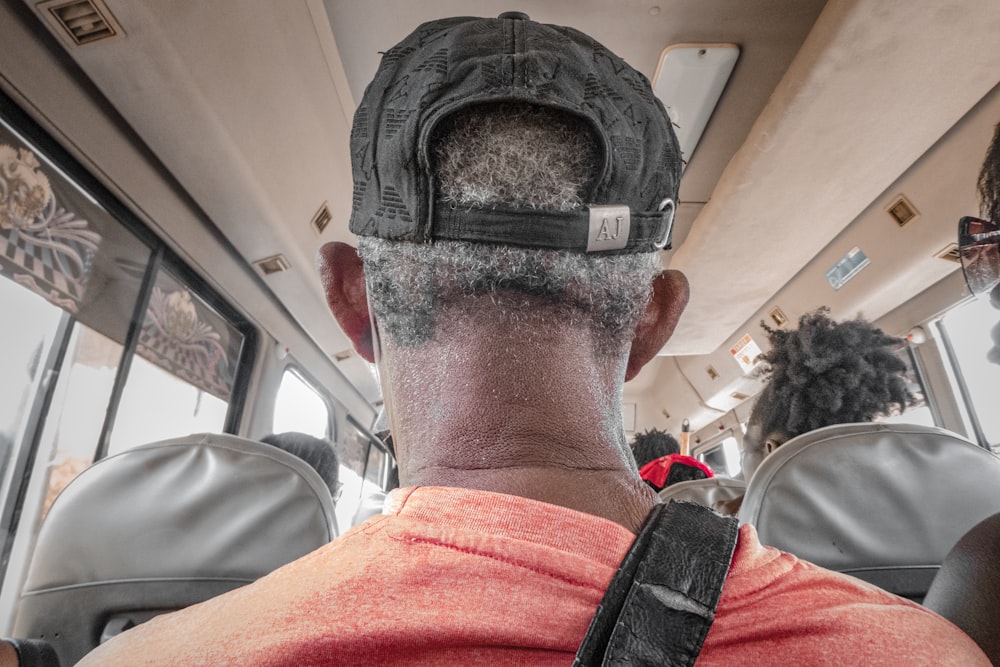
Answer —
(653, 444)
(989, 180)
(827, 373)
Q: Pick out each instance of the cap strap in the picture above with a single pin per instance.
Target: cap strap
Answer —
(611, 229)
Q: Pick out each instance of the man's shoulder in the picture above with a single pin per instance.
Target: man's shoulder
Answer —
(774, 603)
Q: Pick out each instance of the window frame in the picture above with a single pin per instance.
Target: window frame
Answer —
(966, 401)
(294, 367)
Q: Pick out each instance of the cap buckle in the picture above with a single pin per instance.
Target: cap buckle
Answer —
(668, 208)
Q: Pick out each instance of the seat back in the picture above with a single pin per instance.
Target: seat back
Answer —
(882, 502)
(704, 492)
(966, 590)
(370, 506)
(163, 526)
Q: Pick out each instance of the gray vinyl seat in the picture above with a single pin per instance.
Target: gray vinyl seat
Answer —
(163, 526)
(882, 502)
(704, 492)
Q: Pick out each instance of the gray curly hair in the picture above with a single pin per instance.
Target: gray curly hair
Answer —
(529, 157)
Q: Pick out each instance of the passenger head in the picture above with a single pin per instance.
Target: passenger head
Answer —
(821, 374)
(317, 452)
(653, 444)
(979, 239)
(515, 201)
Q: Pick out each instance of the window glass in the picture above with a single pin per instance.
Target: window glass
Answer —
(182, 373)
(26, 340)
(968, 328)
(353, 452)
(76, 415)
(70, 276)
(373, 471)
(918, 412)
(723, 459)
(299, 407)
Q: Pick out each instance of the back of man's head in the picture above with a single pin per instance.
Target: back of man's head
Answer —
(653, 444)
(504, 142)
(317, 452)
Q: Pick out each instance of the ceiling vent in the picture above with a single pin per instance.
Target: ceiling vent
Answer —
(322, 218)
(343, 355)
(272, 264)
(778, 316)
(81, 21)
(739, 396)
(902, 211)
(950, 254)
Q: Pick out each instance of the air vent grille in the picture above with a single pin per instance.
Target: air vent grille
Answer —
(322, 218)
(82, 21)
(902, 211)
(739, 396)
(273, 264)
(950, 254)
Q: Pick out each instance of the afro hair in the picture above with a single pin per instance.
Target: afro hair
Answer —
(826, 373)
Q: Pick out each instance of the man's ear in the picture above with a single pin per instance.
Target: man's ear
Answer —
(670, 295)
(343, 278)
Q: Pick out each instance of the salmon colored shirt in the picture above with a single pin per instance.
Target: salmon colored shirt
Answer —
(458, 577)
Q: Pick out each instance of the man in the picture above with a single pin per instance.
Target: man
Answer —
(966, 590)
(513, 182)
(660, 462)
(317, 452)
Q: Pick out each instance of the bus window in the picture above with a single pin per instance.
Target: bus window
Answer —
(105, 346)
(966, 330)
(361, 466)
(374, 471)
(299, 407)
(182, 373)
(918, 411)
(25, 346)
(724, 458)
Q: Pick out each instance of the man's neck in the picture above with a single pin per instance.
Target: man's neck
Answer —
(617, 496)
(539, 420)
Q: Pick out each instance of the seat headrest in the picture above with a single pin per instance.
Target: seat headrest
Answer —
(858, 496)
(202, 505)
(705, 492)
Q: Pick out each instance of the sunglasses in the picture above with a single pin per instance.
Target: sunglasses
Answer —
(979, 248)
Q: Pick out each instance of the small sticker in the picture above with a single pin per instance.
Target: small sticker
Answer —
(746, 352)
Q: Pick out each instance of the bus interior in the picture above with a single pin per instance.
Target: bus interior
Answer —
(169, 169)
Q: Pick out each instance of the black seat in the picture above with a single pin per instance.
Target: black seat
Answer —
(164, 526)
(882, 502)
(966, 590)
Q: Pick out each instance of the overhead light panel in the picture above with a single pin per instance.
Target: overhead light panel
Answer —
(689, 81)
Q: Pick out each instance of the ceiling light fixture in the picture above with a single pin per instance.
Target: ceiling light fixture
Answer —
(689, 80)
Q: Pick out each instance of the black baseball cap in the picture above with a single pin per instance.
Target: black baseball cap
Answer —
(448, 65)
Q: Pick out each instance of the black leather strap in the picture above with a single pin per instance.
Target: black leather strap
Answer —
(661, 603)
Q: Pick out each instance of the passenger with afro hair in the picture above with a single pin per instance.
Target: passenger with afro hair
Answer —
(821, 374)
